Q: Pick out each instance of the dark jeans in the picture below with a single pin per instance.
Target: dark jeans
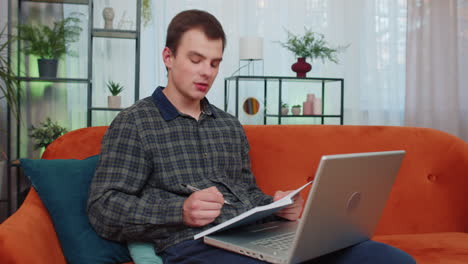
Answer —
(371, 252)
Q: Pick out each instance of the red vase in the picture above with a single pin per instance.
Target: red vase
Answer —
(301, 67)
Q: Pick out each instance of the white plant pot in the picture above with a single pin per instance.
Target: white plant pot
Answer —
(114, 101)
(284, 110)
(296, 110)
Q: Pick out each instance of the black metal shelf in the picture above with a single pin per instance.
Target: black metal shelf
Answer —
(115, 33)
(75, 2)
(279, 81)
(277, 78)
(14, 17)
(43, 79)
(286, 116)
(105, 109)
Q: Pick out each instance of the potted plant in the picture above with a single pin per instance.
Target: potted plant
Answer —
(114, 100)
(284, 109)
(296, 109)
(46, 133)
(8, 89)
(49, 44)
(146, 12)
(7, 78)
(311, 45)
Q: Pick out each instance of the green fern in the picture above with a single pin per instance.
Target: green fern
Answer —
(50, 43)
(312, 45)
(46, 133)
(146, 12)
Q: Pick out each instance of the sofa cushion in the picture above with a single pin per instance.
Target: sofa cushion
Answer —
(62, 186)
(449, 247)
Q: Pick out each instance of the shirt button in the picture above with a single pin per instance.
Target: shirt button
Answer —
(205, 155)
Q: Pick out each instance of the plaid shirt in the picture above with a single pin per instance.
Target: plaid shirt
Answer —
(149, 150)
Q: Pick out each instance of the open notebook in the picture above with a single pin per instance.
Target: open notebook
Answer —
(253, 214)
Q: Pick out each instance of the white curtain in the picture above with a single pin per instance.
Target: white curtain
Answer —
(113, 60)
(437, 65)
(373, 66)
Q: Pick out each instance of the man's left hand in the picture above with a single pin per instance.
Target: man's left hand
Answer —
(293, 211)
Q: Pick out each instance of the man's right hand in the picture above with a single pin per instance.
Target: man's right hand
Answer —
(202, 207)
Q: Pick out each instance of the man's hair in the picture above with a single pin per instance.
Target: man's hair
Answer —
(193, 19)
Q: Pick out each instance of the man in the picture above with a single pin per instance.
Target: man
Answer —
(175, 138)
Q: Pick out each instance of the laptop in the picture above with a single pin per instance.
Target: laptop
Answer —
(343, 208)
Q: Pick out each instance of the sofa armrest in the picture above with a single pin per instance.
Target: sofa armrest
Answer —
(28, 236)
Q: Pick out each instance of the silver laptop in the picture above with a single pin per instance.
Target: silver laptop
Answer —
(343, 208)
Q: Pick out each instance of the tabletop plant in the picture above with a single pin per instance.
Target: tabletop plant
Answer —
(312, 45)
(284, 109)
(114, 88)
(296, 109)
(114, 100)
(146, 12)
(46, 133)
(50, 43)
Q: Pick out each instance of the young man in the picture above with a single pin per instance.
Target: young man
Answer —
(175, 138)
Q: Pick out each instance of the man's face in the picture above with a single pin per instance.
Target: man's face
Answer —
(195, 66)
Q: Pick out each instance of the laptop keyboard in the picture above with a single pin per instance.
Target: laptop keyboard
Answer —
(279, 242)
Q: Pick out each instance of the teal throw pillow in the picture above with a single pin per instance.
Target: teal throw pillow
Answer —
(63, 187)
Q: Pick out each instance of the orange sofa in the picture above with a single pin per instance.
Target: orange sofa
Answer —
(426, 215)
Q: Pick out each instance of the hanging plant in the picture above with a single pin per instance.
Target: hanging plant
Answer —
(146, 12)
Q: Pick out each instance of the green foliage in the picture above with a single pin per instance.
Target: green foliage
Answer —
(146, 12)
(50, 43)
(46, 133)
(8, 83)
(114, 88)
(297, 106)
(285, 105)
(312, 45)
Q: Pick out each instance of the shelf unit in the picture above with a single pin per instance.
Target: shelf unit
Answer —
(281, 80)
(112, 34)
(15, 7)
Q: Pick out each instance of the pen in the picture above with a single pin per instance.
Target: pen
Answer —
(195, 189)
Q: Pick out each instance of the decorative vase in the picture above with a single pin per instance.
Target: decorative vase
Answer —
(284, 110)
(308, 106)
(301, 67)
(317, 106)
(108, 15)
(114, 101)
(47, 67)
(296, 110)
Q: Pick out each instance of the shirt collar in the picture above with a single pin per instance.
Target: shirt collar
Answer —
(168, 110)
